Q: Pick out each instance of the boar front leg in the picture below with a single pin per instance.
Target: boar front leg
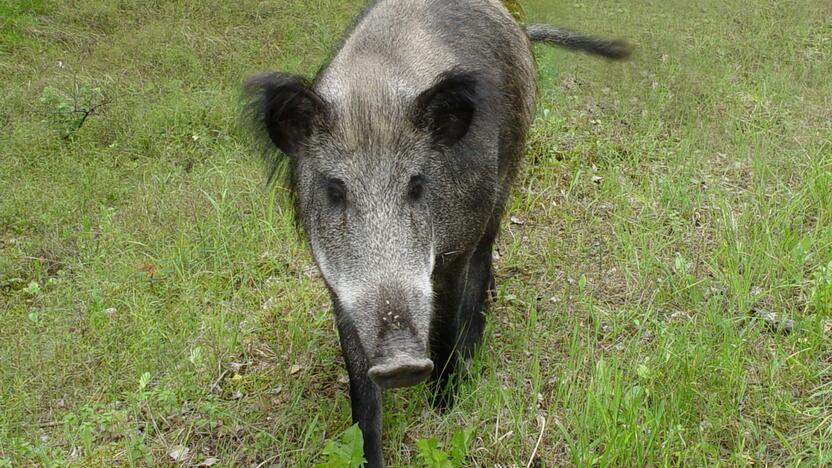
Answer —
(365, 396)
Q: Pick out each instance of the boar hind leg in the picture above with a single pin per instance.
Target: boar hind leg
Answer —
(365, 396)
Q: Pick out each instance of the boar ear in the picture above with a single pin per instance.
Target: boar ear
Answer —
(447, 108)
(284, 107)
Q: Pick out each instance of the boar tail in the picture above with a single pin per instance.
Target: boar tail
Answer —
(612, 49)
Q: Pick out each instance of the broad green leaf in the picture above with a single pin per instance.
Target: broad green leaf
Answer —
(459, 445)
(431, 456)
(347, 452)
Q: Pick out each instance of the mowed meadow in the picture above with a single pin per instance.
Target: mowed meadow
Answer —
(664, 269)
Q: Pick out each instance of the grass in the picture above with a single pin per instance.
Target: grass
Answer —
(154, 295)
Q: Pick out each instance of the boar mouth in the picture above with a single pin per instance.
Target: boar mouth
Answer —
(400, 371)
(400, 359)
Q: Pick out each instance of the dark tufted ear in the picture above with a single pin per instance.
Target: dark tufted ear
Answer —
(284, 106)
(447, 108)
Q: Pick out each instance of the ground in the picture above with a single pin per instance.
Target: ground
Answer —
(664, 271)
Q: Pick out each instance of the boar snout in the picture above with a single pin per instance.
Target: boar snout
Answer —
(400, 361)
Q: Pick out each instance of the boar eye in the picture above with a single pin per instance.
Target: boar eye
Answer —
(416, 188)
(336, 191)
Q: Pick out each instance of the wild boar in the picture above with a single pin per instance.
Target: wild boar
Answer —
(401, 153)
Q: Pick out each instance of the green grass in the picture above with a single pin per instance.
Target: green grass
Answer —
(154, 294)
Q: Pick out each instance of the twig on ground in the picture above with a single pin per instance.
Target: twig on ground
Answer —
(542, 421)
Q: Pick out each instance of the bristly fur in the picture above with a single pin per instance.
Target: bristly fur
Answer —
(437, 91)
(611, 49)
